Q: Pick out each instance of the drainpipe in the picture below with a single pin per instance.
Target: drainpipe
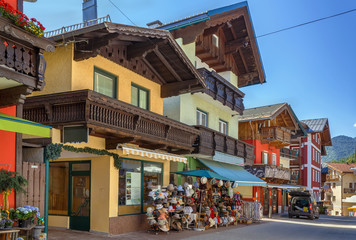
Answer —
(46, 189)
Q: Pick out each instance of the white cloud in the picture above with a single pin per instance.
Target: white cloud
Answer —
(354, 124)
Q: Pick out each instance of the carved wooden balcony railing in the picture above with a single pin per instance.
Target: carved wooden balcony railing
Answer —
(117, 121)
(289, 153)
(275, 136)
(22, 65)
(349, 190)
(210, 141)
(222, 90)
(332, 178)
(270, 171)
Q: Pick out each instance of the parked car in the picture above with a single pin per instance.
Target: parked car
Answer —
(302, 204)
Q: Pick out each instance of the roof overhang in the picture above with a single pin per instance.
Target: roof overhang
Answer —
(151, 53)
(240, 46)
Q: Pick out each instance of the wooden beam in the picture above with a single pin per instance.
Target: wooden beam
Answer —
(243, 59)
(233, 45)
(14, 95)
(247, 77)
(173, 89)
(167, 64)
(284, 120)
(139, 49)
(148, 64)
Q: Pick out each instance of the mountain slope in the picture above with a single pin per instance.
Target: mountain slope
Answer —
(343, 146)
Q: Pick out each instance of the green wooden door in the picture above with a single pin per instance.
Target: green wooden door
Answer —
(79, 184)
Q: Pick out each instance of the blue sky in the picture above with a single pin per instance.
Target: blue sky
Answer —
(312, 67)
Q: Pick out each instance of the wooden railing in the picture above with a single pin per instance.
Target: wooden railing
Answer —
(332, 178)
(210, 141)
(276, 136)
(222, 90)
(21, 55)
(111, 118)
(349, 190)
(289, 153)
(270, 171)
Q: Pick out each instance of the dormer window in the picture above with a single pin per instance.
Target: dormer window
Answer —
(215, 40)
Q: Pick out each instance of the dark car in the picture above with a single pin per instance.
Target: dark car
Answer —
(302, 204)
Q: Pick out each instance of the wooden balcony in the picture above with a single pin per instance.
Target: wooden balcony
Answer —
(222, 90)
(349, 190)
(210, 141)
(289, 153)
(295, 179)
(272, 172)
(117, 121)
(332, 178)
(275, 136)
(22, 65)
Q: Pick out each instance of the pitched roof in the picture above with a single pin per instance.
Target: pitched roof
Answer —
(316, 125)
(342, 167)
(236, 24)
(261, 113)
(154, 53)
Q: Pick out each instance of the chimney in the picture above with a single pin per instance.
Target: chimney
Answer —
(90, 11)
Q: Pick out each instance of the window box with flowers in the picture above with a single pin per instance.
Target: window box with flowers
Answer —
(21, 20)
(25, 216)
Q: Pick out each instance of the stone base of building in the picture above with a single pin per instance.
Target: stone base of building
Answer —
(130, 223)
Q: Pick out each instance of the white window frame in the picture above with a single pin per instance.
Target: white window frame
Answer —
(223, 123)
(274, 159)
(265, 157)
(199, 115)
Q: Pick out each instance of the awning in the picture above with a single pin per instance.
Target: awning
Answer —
(351, 199)
(284, 186)
(234, 173)
(143, 152)
(203, 173)
(19, 125)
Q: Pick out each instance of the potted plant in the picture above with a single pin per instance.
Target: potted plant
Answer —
(37, 230)
(24, 215)
(10, 181)
(8, 223)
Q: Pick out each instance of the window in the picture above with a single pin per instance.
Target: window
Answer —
(140, 97)
(274, 159)
(265, 157)
(313, 154)
(350, 185)
(223, 127)
(75, 134)
(58, 188)
(135, 181)
(105, 83)
(202, 118)
(215, 40)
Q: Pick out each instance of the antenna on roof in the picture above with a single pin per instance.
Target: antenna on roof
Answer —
(154, 24)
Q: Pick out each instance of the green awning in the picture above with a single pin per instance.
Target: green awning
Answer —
(19, 125)
(203, 173)
(234, 172)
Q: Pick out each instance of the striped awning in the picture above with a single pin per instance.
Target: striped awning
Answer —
(19, 125)
(143, 152)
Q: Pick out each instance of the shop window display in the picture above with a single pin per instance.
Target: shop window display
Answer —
(135, 178)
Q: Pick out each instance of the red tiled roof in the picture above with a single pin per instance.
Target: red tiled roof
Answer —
(342, 167)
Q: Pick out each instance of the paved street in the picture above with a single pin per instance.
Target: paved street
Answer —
(327, 227)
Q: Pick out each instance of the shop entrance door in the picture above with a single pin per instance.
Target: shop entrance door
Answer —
(274, 201)
(79, 183)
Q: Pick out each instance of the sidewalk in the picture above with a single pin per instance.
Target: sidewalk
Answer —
(59, 234)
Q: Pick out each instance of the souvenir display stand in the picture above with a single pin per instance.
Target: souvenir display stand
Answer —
(199, 206)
